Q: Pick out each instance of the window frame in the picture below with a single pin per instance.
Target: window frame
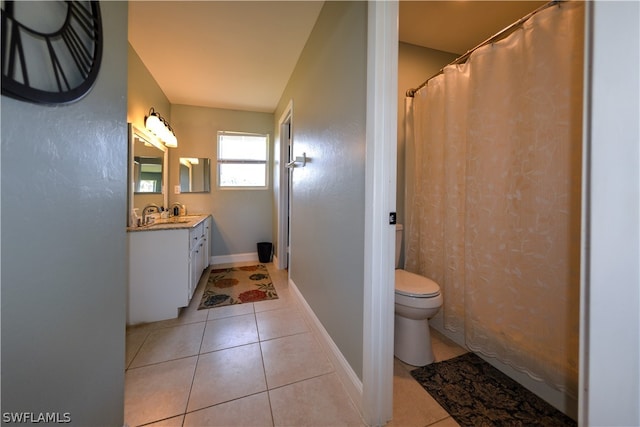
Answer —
(221, 161)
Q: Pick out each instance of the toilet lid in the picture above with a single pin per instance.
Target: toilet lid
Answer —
(413, 285)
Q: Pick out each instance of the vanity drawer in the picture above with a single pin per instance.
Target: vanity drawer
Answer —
(195, 234)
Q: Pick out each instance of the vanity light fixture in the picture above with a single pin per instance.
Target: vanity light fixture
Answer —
(160, 128)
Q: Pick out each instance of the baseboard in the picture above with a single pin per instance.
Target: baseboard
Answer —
(559, 400)
(225, 259)
(349, 379)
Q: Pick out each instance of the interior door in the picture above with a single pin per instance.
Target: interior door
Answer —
(285, 188)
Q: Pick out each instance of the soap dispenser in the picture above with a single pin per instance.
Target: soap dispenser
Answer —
(134, 220)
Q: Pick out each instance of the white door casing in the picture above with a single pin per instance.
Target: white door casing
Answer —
(285, 124)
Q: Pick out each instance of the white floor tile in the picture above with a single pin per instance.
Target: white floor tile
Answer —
(229, 332)
(226, 375)
(319, 401)
(169, 344)
(280, 323)
(412, 405)
(284, 300)
(229, 310)
(157, 391)
(251, 411)
(293, 358)
(169, 422)
(135, 339)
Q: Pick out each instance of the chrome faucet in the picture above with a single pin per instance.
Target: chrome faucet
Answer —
(148, 208)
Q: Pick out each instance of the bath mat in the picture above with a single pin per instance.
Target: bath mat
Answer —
(237, 285)
(475, 393)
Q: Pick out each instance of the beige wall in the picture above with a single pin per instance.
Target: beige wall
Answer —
(143, 92)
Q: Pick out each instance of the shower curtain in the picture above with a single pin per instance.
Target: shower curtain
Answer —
(493, 215)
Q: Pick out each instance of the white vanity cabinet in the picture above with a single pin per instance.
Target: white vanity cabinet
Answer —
(198, 252)
(166, 263)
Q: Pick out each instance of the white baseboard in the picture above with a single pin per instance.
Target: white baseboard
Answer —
(225, 259)
(349, 379)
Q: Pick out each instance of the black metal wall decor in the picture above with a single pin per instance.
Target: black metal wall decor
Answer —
(51, 50)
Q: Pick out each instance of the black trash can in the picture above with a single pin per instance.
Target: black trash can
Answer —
(265, 249)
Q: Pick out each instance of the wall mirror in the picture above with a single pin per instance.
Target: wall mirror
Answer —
(147, 171)
(195, 175)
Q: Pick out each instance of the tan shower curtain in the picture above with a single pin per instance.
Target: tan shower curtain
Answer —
(494, 200)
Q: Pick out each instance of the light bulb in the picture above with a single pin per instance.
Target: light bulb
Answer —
(153, 123)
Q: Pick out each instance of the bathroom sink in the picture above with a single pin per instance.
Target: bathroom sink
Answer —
(170, 221)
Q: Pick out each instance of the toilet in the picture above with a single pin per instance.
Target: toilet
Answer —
(417, 299)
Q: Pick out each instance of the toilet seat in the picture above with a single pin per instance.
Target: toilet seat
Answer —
(415, 286)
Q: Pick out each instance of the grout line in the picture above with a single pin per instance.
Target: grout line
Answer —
(160, 420)
(288, 335)
(126, 368)
(219, 403)
(264, 367)
(193, 379)
(162, 361)
(333, 372)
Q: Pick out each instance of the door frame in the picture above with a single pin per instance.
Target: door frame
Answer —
(285, 126)
(380, 201)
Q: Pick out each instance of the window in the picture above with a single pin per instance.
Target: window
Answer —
(242, 160)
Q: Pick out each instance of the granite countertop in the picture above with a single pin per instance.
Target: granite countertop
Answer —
(172, 223)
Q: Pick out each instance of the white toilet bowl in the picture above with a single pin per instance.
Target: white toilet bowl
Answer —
(417, 299)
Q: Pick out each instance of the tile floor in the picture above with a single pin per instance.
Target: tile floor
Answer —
(253, 365)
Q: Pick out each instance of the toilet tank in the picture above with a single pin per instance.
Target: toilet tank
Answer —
(399, 229)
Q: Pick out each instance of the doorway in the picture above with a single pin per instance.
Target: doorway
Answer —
(285, 124)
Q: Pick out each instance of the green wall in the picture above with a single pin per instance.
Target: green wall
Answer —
(64, 251)
(328, 90)
(241, 218)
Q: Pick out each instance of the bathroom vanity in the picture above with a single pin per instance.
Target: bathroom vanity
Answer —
(166, 261)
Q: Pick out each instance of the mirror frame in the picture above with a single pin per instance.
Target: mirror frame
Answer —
(133, 132)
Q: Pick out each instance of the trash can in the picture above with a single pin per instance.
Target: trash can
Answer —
(265, 250)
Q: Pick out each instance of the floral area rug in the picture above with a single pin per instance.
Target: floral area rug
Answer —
(237, 285)
(475, 393)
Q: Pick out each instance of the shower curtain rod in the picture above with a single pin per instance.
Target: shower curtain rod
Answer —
(499, 35)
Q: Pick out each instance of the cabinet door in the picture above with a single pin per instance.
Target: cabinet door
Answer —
(203, 253)
(193, 272)
(158, 274)
(207, 242)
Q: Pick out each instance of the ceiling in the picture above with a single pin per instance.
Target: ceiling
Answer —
(240, 54)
